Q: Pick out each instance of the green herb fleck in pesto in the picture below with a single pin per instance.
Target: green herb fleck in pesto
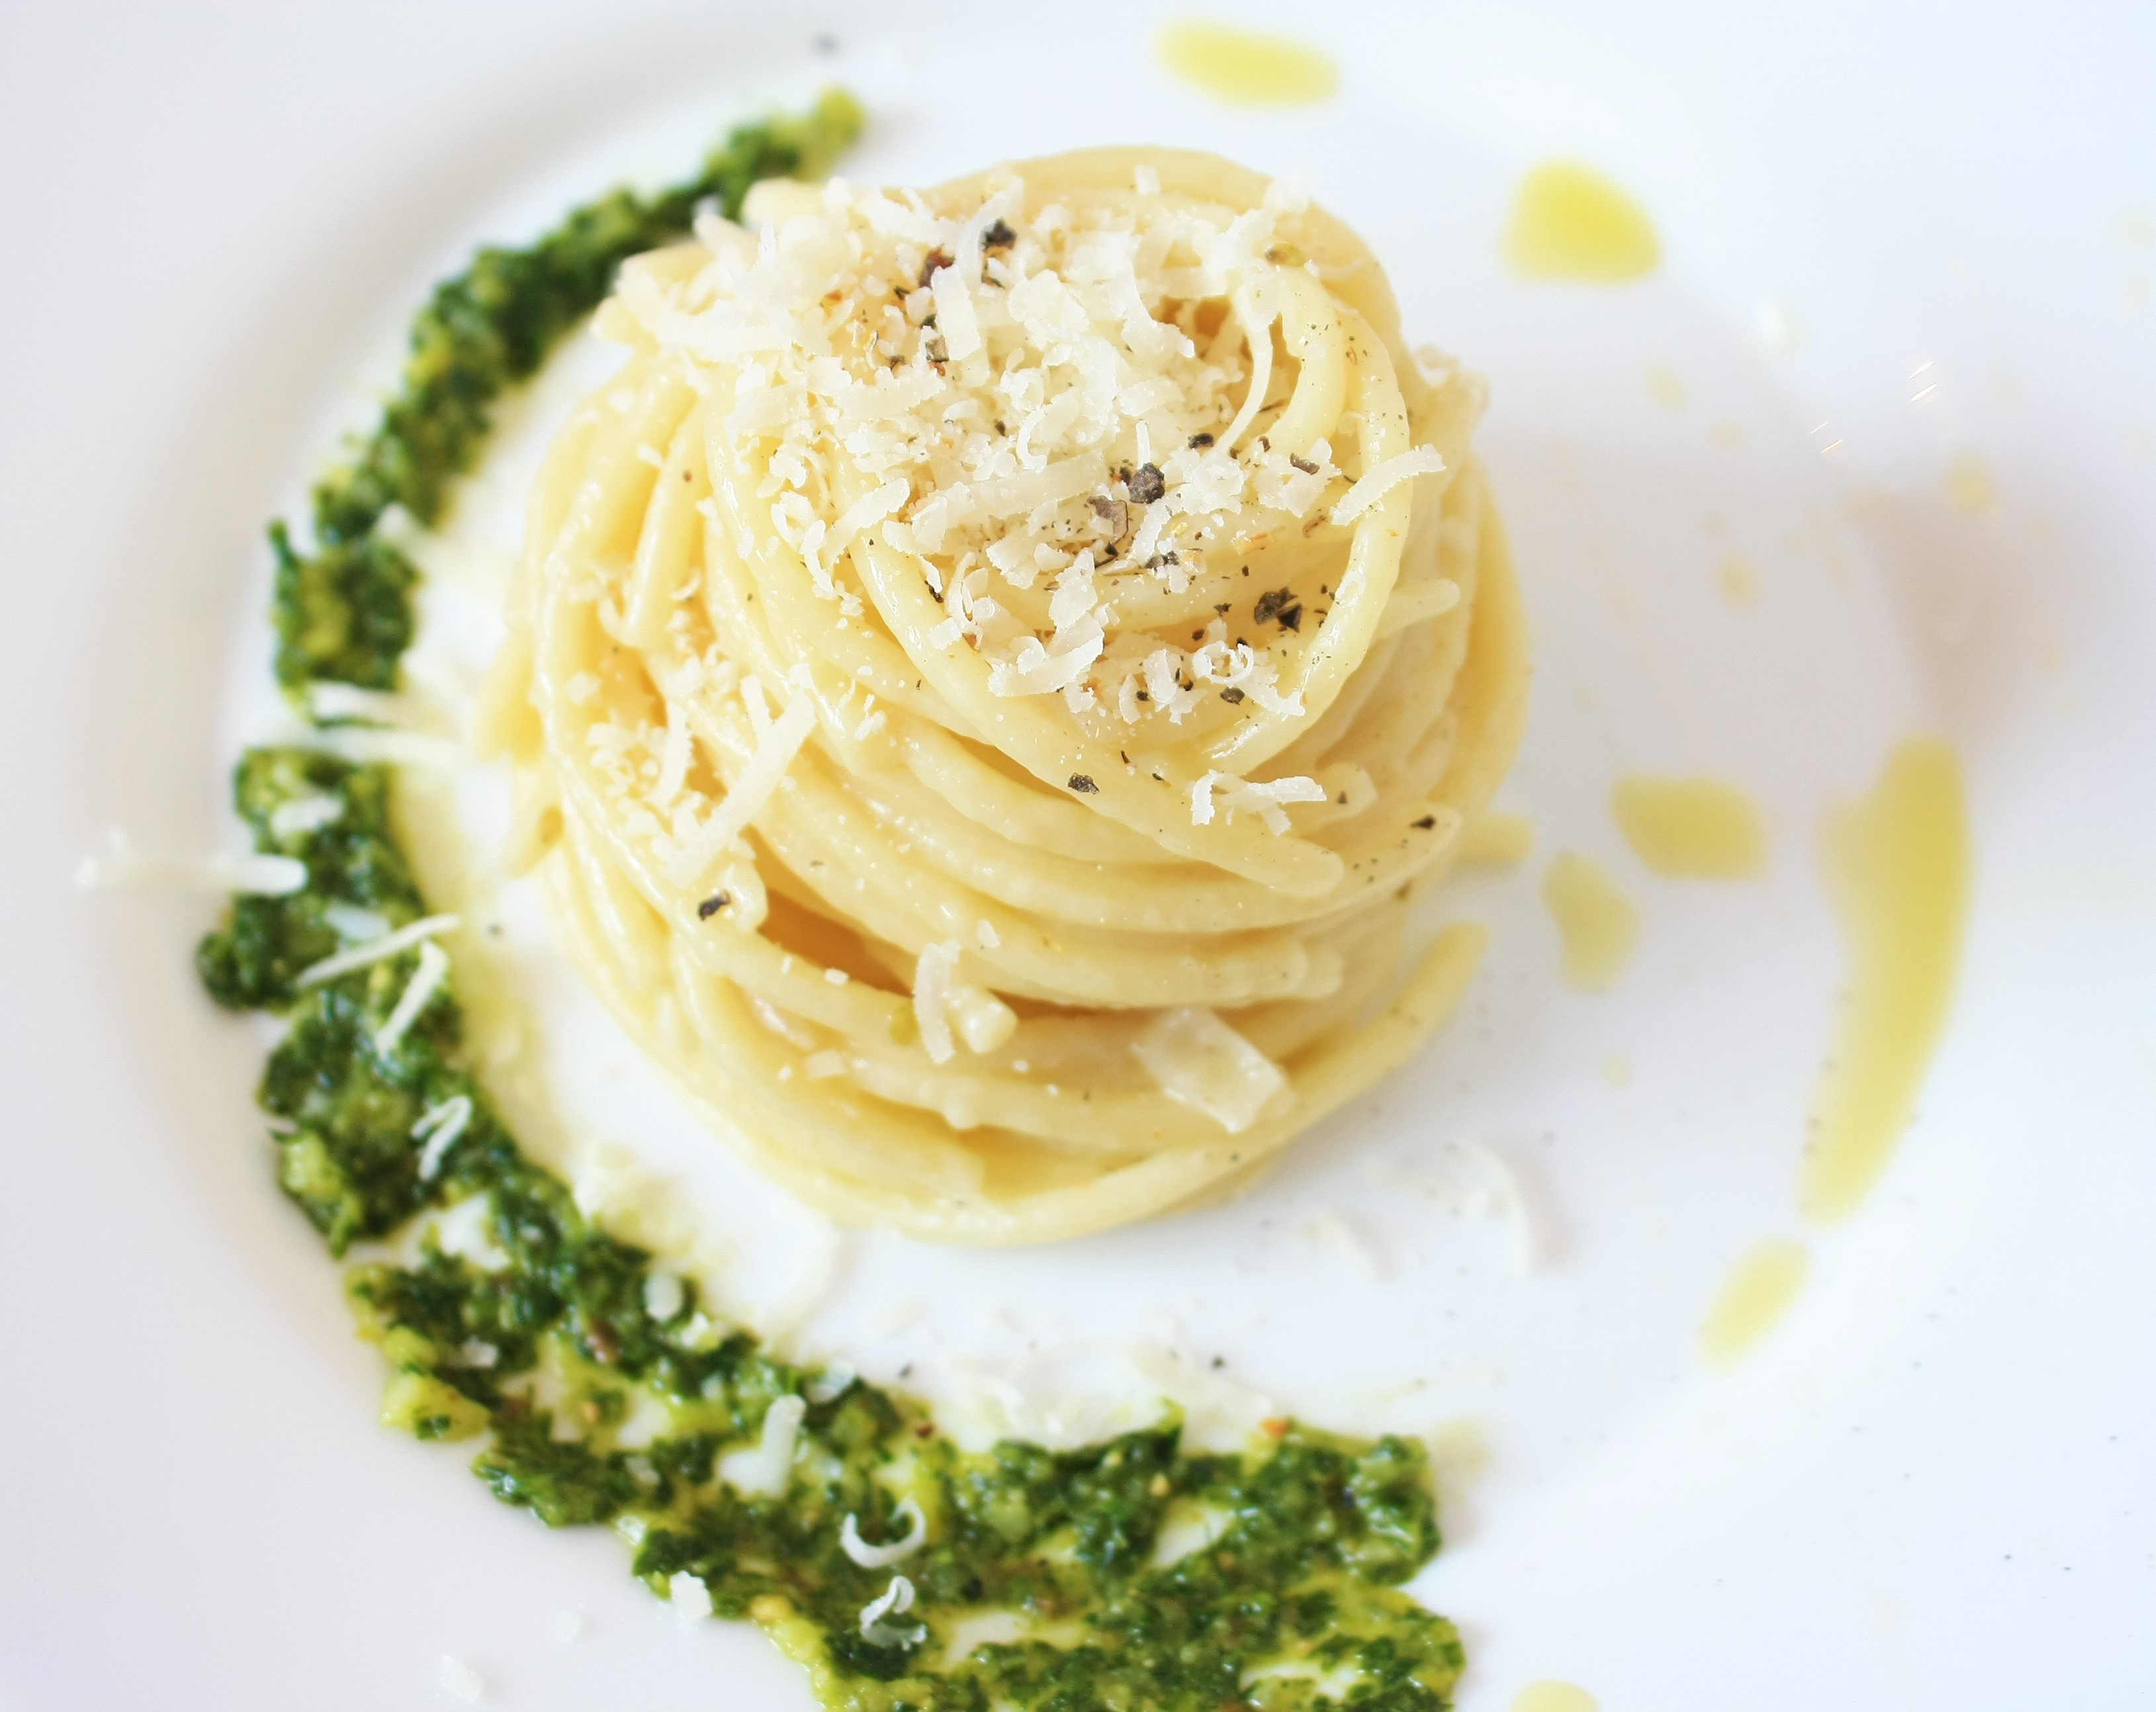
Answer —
(602, 1390)
(342, 612)
(346, 1153)
(252, 960)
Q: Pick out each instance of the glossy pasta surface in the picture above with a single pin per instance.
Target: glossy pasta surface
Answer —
(992, 675)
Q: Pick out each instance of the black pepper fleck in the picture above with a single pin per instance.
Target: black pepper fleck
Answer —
(711, 906)
(1273, 603)
(1083, 784)
(1148, 484)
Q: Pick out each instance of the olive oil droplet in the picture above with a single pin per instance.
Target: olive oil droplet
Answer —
(1598, 924)
(1690, 828)
(1737, 581)
(1753, 1300)
(1897, 864)
(1570, 223)
(1247, 68)
(1553, 1697)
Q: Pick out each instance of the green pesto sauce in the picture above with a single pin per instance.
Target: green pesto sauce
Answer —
(549, 1350)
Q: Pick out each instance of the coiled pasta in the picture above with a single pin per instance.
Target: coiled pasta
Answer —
(992, 676)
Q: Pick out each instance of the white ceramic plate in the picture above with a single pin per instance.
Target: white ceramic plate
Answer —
(1935, 1485)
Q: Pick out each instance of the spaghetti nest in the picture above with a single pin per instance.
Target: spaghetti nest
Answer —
(991, 675)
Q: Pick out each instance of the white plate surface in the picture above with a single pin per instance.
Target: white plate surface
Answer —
(1934, 1485)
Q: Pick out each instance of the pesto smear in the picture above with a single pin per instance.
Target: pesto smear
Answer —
(867, 1544)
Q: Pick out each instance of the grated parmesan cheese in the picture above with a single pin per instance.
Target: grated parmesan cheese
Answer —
(1240, 795)
(464, 1231)
(931, 996)
(691, 1598)
(664, 1296)
(894, 1600)
(673, 758)
(1047, 405)
(328, 699)
(460, 1679)
(438, 1126)
(299, 815)
(780, 741)
(400, 748)
(764, 1471)
(955, 318)
(121, 866)
(418, 993)
(882, 1557)
(1201, 1062)
(1508, 1199)
(985, 1022)
(353, 924)
(1376, 484)
(374, 951)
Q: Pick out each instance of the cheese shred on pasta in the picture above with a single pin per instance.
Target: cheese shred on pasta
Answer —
(1001, 664)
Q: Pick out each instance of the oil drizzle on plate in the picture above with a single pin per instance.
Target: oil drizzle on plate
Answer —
(1666, 386)
(1753, 1299)
(1690, 828)
(1570, 223)
(1970, 489)
(1737, 581)
(1598, 924)
(1553, 1697)
(1246, 68)
(1897, 865)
